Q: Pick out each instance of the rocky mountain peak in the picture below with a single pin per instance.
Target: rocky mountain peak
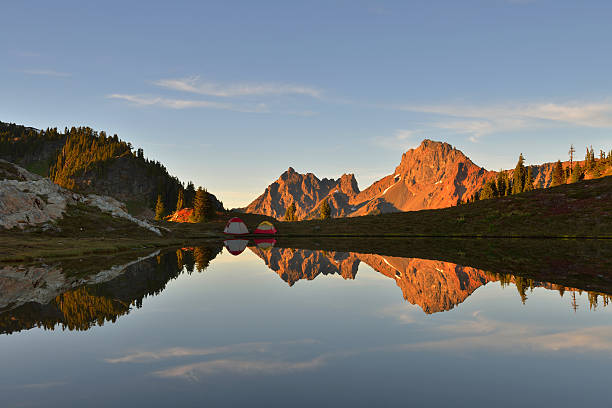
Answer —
(432, 175)
(430, 152)
(290, 173)
(348, 184)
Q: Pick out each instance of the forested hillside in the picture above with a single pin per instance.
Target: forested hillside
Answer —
(88, 161)
(29, 147)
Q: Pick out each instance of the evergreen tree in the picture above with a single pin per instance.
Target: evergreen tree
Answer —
(325, 210)
(488, 191)
(576, 173)
(521, 286)
(189, 195)
(209, 207)
(199, 206)
(290, 213)
(518, 178)
(159, 208)
(180, 202)
(502, 182)
(529, 180)
(558, 175)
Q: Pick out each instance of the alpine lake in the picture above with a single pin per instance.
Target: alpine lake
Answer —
(301, 323)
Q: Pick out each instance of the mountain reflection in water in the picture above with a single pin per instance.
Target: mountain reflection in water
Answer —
(48, 297)
(435, 286)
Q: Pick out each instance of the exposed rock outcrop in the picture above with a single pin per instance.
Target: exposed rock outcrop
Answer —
(434, 175)
(29, 200)
(306, 191)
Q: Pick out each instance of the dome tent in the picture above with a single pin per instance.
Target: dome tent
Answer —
(236, 226)
(235, 246)
(265, 227)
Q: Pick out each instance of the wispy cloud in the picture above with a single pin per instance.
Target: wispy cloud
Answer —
(38, 386)
(46, 72)
(244, 367)
(195, 85)
(404, 314)
(175, 352)
(482, 333)
(402, 139)
(143, 100)
(481, 120)
(242, 358)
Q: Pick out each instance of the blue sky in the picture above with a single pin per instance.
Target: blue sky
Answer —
(230, 94)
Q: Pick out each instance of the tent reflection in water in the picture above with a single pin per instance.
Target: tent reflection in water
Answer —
(235, 246)
(265, 243)
(236, 226)
(265, 227)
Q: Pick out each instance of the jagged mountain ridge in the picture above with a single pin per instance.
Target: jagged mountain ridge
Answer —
(433, 175)
(307, 191)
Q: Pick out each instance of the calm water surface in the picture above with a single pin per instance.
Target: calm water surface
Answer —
(290, 327)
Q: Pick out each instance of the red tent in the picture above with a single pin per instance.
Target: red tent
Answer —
(235, 246)
(236, 226)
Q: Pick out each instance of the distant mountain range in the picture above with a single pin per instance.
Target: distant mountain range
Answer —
(433, 175)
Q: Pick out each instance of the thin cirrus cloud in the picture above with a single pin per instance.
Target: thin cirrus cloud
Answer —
(243, 358)
(482, 333)
(244, 367)
(46, 72)
(195, 85)
(145, 356)
(477, 121)
(143, 100)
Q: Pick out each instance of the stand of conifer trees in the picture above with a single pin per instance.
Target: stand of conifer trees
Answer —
(83, 150)
(522, 177)
(203, 207)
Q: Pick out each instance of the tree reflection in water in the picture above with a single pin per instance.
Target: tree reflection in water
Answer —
(93, 305)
